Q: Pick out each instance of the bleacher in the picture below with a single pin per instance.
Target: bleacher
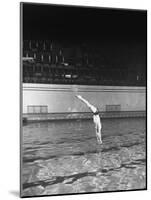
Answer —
(55, 63)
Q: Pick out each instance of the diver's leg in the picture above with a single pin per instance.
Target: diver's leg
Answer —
(98, 135)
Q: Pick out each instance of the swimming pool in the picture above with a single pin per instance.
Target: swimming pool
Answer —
(64, 157)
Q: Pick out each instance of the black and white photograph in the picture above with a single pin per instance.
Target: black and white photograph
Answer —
(83, 78)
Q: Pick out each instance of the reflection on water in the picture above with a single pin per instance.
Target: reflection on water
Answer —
(64, 157)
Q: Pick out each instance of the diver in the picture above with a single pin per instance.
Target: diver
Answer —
(96, 118)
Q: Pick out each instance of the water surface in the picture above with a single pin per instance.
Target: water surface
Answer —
(64, 157)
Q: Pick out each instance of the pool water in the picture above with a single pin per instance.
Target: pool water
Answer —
(64, 157)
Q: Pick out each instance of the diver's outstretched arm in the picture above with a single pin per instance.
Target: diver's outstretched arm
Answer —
(84, 100)
(93, 108)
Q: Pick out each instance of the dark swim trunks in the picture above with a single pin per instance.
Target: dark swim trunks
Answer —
(96, 113)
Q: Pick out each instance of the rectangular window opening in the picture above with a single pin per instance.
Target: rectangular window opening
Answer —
(37, 109)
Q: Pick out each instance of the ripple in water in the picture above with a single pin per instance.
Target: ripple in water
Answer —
(63, 155)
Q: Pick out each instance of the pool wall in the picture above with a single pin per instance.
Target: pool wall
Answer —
(60, 101)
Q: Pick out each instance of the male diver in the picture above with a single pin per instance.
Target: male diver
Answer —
(96, 118)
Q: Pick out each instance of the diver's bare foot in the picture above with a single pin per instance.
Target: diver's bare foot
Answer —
(100, 141)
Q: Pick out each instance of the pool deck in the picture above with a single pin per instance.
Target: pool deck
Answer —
(30, 117)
